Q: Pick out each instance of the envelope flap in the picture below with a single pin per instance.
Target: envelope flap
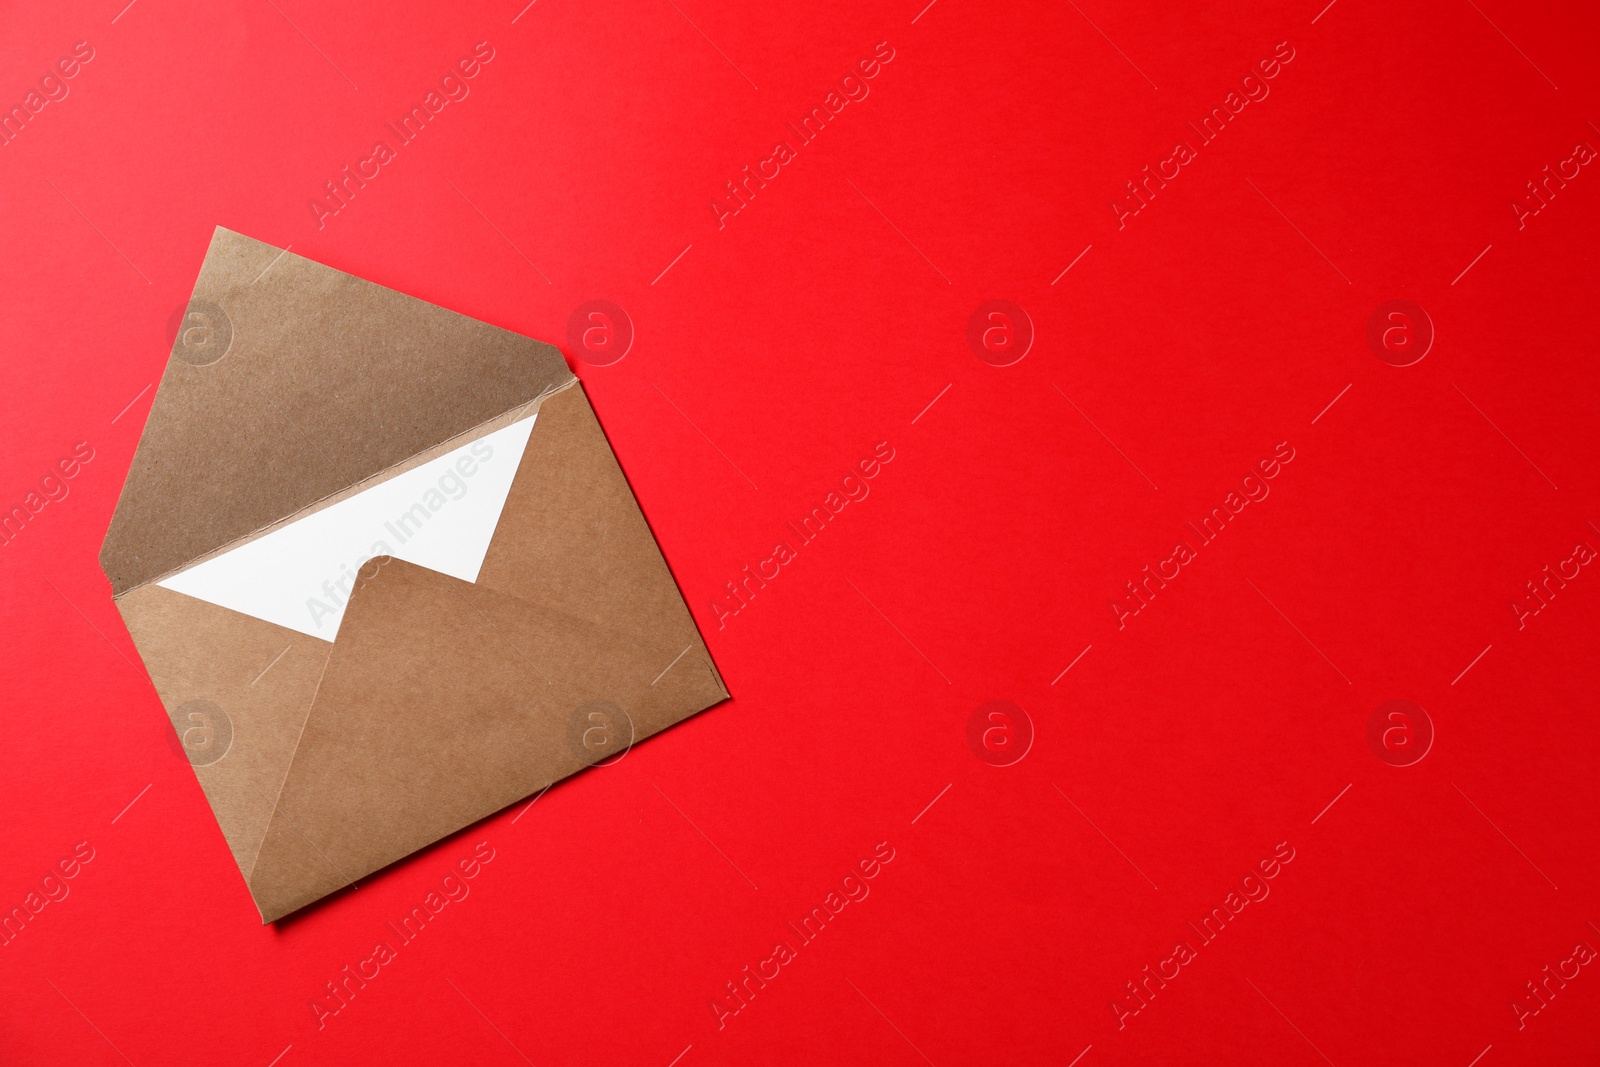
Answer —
(289, 382)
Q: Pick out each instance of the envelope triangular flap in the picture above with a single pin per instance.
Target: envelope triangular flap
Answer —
(443, 702)
(326, 380)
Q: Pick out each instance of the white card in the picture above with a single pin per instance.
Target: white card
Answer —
(441, 515)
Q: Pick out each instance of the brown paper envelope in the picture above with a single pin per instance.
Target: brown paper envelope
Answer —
(441, 701)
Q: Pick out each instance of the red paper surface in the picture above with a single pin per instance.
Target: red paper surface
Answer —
(1168, 756)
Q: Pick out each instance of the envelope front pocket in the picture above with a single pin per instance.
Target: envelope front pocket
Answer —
(442, 703)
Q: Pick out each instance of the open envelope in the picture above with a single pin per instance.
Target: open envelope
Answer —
(384, 571)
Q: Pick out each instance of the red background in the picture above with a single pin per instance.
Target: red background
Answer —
(823, 318)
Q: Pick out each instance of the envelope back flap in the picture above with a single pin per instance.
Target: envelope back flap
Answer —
(288, 383)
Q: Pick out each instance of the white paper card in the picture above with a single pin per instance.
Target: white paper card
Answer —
(441, 515)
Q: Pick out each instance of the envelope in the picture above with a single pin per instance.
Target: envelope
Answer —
(384, 571)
